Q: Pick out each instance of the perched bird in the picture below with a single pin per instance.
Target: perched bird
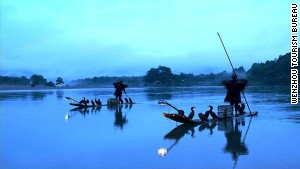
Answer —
(130, 101)
(213, 114)
(126, 100)
(82, 101)
(241, 109)
(87, 101)
(181, 113)
(92, 102)
(98, 102)
(191, 115)
(207, 113)
(202, 117)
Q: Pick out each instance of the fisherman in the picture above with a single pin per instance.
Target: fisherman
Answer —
(119, 87)
(234, 88)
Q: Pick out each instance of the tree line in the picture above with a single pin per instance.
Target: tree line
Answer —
(33, 81)
(271, 73)
(275, 72)
(107, 81)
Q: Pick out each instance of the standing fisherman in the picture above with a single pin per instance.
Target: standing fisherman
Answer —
(119, 87)
(234, 88)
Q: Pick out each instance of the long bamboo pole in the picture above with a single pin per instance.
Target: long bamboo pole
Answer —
(234, 71)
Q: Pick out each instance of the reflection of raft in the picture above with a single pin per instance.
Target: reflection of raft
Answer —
(183, 119)
(84, 105)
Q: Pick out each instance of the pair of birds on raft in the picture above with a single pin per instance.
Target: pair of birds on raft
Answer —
(203, 117)
(86, 101)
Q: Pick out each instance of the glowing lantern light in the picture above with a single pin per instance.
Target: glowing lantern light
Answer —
(67, 117)
(162, 152)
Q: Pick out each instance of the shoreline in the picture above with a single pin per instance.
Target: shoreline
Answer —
(24, 87)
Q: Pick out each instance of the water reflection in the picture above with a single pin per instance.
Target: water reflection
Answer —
(40, 95)
(14, 95)
(209, 126)
(32, 95)
(179, 132)
(233, 135)
(120, 117)
(59, 94)
(235, 146)
(85, 110)
(268, 89)
(120, 120)
(159, 93)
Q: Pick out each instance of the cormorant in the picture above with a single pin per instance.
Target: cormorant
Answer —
(241, 109)
(87, 102)
(213, 114)
(207, 113)
(126, 100)
(93, 103)
(130, 101)
(191, 115)
(202, 117)
(181, 113)
(82, 101)
(98, 101)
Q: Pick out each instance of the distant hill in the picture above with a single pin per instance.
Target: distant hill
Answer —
(272, 73)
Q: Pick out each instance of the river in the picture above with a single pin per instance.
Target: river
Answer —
(39, 129)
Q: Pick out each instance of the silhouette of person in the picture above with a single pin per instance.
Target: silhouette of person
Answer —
(120, 120)
(234, 88)
(234, 144)
(119, 87)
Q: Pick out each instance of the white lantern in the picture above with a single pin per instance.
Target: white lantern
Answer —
(67, 117)
(162, 152)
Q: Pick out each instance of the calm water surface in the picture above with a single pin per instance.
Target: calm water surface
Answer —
(35, 133)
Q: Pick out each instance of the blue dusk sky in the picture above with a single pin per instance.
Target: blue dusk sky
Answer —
(76, 39)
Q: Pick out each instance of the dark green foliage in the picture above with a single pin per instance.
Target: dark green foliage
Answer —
(59, 81)
(50, 84)
(161, 76)
(132, 81)
(6, 80)
(37, 80)
(271, 73)
(33, 81)
(276, 72)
